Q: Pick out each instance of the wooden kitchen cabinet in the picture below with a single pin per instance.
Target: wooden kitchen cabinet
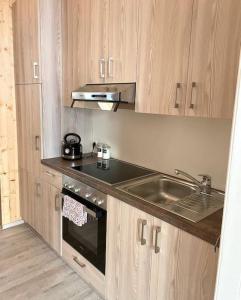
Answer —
(170, 265)
(26, 41)
(163, 52)
(29, 127)
(183, 268)
(188, 54)
(128, 269)
(51, 215)
(99, 43)
(214, 58)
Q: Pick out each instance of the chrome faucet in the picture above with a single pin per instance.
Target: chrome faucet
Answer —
(205, 185)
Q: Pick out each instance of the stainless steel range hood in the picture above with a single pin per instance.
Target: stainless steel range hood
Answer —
(105, 96)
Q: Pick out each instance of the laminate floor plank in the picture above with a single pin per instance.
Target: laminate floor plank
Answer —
(29, 269)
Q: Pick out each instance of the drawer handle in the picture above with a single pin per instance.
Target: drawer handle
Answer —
(143, 223)
(194, 85)
(75, 259)
(49, 174)
(157, 230)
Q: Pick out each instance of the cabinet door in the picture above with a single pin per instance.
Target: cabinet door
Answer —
(29, 132)
(76, 46)
(163, 54)
(26, 41)
(98, 40)
(51, 215)
(123, 26)
(214, 58)
(85, 44)
(183, 268)
(128, 267)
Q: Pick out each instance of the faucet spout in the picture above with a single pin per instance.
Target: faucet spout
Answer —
(204, 185)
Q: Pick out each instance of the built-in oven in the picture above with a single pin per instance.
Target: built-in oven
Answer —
(90, 238)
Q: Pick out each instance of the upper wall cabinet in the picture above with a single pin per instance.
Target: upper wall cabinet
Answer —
(188, 55)
(214, 57)
(26, 41)
(163, 51)
(99, 43)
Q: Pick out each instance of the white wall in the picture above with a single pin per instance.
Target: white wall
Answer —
(164, 143)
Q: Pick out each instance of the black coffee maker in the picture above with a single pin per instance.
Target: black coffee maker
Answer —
(71, 147)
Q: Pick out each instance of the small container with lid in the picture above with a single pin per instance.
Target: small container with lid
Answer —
(105, 151)
(99, 150)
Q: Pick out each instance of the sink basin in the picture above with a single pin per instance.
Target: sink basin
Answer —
(176, 195)
(161, 190)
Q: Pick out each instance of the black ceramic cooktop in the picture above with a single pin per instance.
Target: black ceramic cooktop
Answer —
(113, 171)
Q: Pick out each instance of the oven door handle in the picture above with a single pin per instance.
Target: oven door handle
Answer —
(89, 211)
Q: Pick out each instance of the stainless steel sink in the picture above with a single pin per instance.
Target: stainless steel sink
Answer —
(176, 195)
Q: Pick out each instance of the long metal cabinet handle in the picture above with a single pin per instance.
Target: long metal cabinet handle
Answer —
(110, 67)
(38, 189)
(143, 223)
(57, 202)
(37, 142)
(75, 259)
(157, 231)
(194, 85)
(178, 87)
(35, 70)
(102, 67)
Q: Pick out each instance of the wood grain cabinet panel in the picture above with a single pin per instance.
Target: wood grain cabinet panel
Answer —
(214, 57)
(128, 269)
(163, 54)
(29, 127)
(26, 41)
(76, 45)
(51, 215)
(122, 53)
(184, 268)
(170, 265)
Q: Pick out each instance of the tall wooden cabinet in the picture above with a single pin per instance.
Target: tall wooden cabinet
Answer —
(36, 27)
(99, 43)
(152, 260)
(26, 41)
(188, 54)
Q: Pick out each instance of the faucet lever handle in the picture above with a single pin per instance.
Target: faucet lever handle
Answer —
(206, 179)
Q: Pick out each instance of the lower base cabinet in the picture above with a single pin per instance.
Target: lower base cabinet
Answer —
(148, 259)
(41, 204)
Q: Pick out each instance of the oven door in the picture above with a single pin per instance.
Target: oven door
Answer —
(90, 239)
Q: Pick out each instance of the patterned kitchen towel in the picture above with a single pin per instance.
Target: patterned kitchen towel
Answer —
(74, 211)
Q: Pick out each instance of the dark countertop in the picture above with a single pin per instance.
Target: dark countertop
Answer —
(209, 229)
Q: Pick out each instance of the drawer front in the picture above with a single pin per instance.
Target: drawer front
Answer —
(52, 177)
(86, 270)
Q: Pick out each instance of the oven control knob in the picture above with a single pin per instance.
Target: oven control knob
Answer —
(99, 202)
(87, 195)
(77, 190)
(94, 199)
(70, 186)
(66, 185)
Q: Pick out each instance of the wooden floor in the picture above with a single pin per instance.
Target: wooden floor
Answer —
(29, 269)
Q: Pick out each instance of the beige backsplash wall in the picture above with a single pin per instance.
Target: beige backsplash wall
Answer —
(163, 143)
